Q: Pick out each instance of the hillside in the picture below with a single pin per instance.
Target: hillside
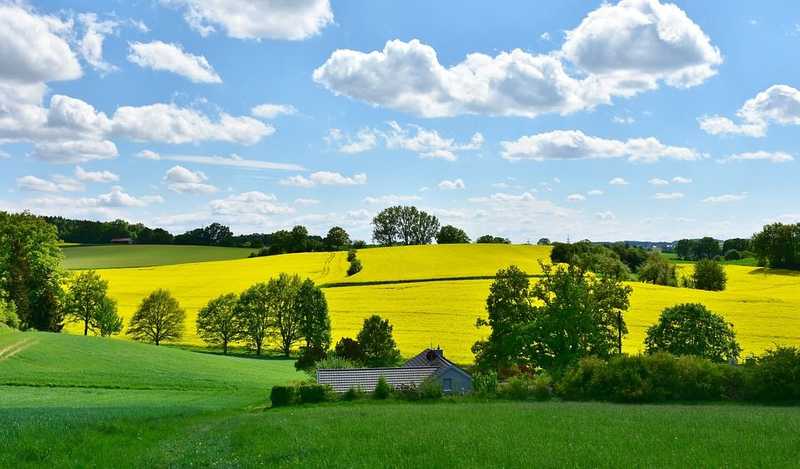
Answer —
(109, 256)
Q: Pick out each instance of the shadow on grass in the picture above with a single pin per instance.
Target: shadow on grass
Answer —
(236, 352)
(768, 271)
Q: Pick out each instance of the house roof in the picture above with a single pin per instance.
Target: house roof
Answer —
(343, 379)
(429, 357)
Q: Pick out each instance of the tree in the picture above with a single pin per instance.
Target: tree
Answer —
(158, 319)
(509, 308)
(737, 244)
(30, 270)
(315, 323)
(691, 329)
(217, 322)
(8, 314)
(106, 321)
(543, 242)
(337, 239)
(707, 248)
(299, 239)
(709, 275)
(377, 343)
(282, 301)
(256, 315)
(489, 239)
(349, 349)
(658, 270)
(778, 246)
(685, 248)
(404, 225)
(449, 234)
(86, 299)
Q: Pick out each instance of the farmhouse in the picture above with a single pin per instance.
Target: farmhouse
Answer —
(429, 364)
(122, 241)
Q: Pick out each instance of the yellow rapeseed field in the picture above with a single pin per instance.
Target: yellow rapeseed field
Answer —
(764, 307)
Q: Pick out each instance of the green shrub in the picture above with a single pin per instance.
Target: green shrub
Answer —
(283, 395)
(8, 314)
(485, 384)
(775, 376)
(518, 387)
(408, 392)
(542, 387)
(430, 389)
(330, 362)
(382, 390)
(355, 267)
(313, 393)
(691, 329)
(709, 275)
(733, 255)
(353, 394)
(351, 255)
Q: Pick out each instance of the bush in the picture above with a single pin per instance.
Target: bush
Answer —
(349, 349)
(351, 255)
(775, 376)
(485, 384)
(709, 275)
(382, 390)
(407, 392)
(8, 314)
(658, 270)
(313, 393)
(283, 395)
(330, 362)
(542, 387)
(353, 393)
(519, 388)
(430, 389)
(733, 255)
(355, 267)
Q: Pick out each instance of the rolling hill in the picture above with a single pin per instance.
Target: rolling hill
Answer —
(109, 256)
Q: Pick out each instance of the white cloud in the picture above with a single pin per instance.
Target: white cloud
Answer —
(595, 192)
(249, 208)
(668, 195)
(119, 198)
(574, 144)
(306, 202)
(626, 120)
(325, 178)
(618, 181)
(74, 114)
(725, 198)
(263, 19)
(452, 185)
(271, 111)
(158, 55)
(78, 151)
(364, 140)
(91, 45)
(545, 36)
(185, 181)
(778, 104)
(428, 143)
(392, 199)
(35, 48)
(576, 198)
(658, 182)
(681, 180)
(408, 76)
(35, 184)
(772, 157)
(169, 123)
(233, 161)
(148, 155)
(95, 176)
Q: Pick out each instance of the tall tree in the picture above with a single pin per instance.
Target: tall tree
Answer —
(315, 324)
(31, 271)
(217, 322)
(87, 299)
(159, 318)
(449, 234)
(385, 226)
(707, 248)
(377, 343)
(404, 225)
(684, 248)
(778, 246)
(106, 321)
(337, 239)
(256, 315)
(282, 300)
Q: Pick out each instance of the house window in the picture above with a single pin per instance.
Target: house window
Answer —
(447, 384)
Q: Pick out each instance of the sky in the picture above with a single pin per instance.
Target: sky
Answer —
(636, 120)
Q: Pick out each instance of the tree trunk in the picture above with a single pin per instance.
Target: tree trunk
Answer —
(224, 347)
(85, 327)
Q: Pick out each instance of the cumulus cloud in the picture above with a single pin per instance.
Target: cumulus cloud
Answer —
(169, 123)
(325, 178)
(263, 19)
(78, 151)
(35, 184)
(364, 140)
(91, 45)
(772, 157)
(658, 182)
(617, 50)
(725, 198)
(185, 181)
(95, 176)
(392, 199)
(233, 161)
(575, 145)
(248, 208)
(668, 195)
(271, 111)
(158, 55)
(778, 104)
(449, 185)
(618, 181)
(681, 180)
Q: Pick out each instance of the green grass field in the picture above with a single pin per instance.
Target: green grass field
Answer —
(74, 401)
(109, 256)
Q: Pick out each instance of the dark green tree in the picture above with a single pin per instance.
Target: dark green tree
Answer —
(31, 271)
(377, 342)
(778, 246)
(658, 270)
(709, 275)
(315, 324)
(691, 329)
(738, 244)
(337, 239)
(159, 318)
(543, 242)
(86, 298)
(349, 349)
(404, 225)
(685, 249)
(489, 239)
(256, 315)
(218, 323)
(707, 248)
(282, 300)
(449, 234)
(106, 321)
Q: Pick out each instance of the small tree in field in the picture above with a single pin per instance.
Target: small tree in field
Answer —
(449, 234)
(217, 322)
(106, 321)
(159, 318)
(86, 298)
(377, 342)
(255, 315)
(282, 295)
(709, 275)
(315, 324)
(691, 329)
(658, 270)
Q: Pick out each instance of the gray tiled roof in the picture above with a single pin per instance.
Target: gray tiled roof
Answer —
(429, 357)
(343, 379)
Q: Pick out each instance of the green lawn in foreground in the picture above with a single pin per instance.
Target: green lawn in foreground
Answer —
(145, 255)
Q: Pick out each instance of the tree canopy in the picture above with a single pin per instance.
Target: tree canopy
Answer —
(159, 318)
(87, 302)
(377, 343)
(691, 329)
(404, 225)
(217, 322)
(449, 234)
(778, 246)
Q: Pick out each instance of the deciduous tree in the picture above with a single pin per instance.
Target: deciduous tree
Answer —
(256, 315)
(449, 234)
(87, 298)
(218, 323)
(159, 318)
(282, 301)
(691, 329)
(377, 343)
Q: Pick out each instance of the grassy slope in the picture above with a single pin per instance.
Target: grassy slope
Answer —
(111, 256)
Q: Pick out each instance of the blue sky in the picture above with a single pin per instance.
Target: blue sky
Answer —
(630, 120)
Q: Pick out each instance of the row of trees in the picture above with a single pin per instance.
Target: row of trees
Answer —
(778, 246)
(617, 260)
(569, 315)
(404, 225)
(710, 248)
